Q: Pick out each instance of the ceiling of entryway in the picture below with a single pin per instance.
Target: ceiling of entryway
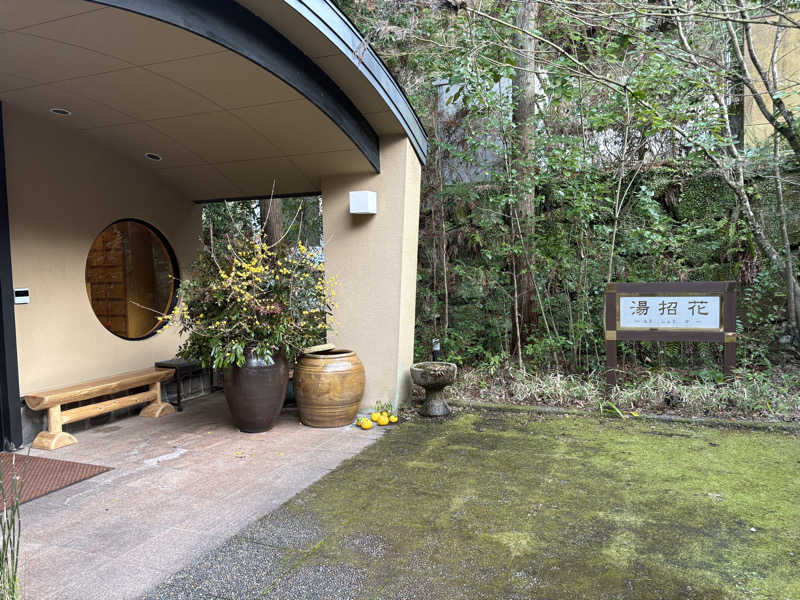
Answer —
(223, 126)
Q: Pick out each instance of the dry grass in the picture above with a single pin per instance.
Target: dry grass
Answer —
(10, 529)
(775, 394)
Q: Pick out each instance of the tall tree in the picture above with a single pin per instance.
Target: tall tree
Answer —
(704, 49)
(271, 220)
(523, 205)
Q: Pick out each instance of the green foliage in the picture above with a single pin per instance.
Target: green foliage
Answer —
(244, 297)
(384, 407)
(597, 186)
(609, 405)
(224, 220)
(302, 219)
(759, 319)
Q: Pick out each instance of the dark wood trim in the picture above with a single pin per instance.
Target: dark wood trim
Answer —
(670, 287)
(611, 344)
(729, 325)
(262, 197)
(330, 20)
(630, 335)
(232, 26)
(10, 409)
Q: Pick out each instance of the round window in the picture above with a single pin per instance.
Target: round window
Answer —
(131, 278)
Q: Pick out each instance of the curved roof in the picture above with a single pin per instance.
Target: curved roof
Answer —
(212, 19)
(331, 22)
(235, 96)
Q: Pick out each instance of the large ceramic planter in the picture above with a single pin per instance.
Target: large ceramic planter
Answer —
(328, 386)
(255, 392)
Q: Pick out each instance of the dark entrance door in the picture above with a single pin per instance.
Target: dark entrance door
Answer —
(10, 415)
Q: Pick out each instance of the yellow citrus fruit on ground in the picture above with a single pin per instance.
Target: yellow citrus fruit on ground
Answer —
(392, 418)
(384, 413)
(374, 416)
(366, 425)
(383, 420)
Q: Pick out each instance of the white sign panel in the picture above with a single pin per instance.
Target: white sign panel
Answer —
(669, 312)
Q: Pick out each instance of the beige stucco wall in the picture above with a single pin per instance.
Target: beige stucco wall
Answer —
(63, 191)
(374, 258)
(757, 129)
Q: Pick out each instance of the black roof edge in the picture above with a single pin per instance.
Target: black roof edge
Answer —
(232, 26)
(267, 196)
(338, 28)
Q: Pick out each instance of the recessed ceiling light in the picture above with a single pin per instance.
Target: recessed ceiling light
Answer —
(61, 112)
(152, 156)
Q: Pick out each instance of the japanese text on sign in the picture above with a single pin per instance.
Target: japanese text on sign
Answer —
(669, 312)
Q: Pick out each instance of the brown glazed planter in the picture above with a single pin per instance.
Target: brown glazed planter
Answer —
(255, 392)
(328, 386)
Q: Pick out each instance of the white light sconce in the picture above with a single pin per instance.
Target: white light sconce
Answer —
(363, 203)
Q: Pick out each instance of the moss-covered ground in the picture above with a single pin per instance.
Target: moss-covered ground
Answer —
(507, 506)
(491, 506)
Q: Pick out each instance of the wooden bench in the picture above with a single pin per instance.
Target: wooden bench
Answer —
(52, 400)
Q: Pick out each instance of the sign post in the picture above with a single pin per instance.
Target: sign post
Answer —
(686, 311)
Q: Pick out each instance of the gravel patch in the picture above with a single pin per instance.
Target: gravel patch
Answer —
(286, 528)
(367, 544)
(239, 570)
(321, 582)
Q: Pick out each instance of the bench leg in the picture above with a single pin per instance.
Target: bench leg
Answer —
(157, 408)
(54, 437)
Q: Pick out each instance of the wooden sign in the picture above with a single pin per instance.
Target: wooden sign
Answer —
(686, 311)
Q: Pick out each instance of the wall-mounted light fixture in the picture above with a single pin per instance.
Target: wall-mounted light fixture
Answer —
(363, 203)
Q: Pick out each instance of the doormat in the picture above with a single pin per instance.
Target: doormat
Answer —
(40, 476)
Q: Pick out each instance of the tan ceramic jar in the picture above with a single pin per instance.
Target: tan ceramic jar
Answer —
(328, 386)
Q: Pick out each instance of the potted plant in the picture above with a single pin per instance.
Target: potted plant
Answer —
(249, 309)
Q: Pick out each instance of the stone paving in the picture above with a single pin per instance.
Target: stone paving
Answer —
(180, 486)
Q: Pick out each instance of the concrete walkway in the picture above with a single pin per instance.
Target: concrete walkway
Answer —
(180, 486)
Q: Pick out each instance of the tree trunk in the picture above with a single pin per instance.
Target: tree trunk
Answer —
(771, 80)
(792, 304)
(271, 220)
(524, 117)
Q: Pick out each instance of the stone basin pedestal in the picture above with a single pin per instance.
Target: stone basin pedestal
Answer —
(434, 377)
